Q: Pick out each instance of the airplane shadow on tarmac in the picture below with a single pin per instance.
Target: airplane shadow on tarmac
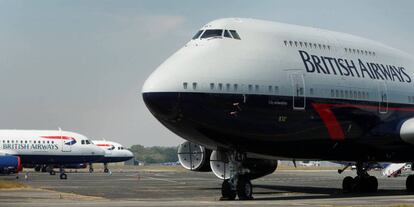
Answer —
(316, 192)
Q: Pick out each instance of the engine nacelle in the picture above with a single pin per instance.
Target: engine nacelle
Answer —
(221, 166)
(10, 164)
(194, 157)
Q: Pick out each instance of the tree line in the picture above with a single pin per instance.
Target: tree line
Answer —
(154, 154)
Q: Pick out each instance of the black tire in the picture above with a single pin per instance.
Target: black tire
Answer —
(90, 170)
(52, 172)
(44, 169)
(244, 189)
(372, 183)
(37, 169)
(348, 184)
(226, 192)
(63, 176)
(106, 170)
(409, 183)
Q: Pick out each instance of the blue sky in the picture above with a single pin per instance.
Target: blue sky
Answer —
(80, 65)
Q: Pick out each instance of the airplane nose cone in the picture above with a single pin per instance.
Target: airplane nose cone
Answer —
(163, 105)
(130, 154)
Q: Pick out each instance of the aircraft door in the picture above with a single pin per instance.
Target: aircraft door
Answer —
(66, 144)
(383, 98)
(298, 91)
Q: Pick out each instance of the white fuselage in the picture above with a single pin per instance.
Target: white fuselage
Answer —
(114, 152)
(48, 146)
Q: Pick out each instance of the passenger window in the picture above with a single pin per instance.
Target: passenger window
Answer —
(234, 34)
(250, 87)
(212, 86)
(194, 85)
(332, 93)
(257, 88)
(185, 85)
(311, 91)
(346, 94)
(83, 142)
(220, 86)
(226, 34)
(212, 33)
(270, 89)
(228, 86)
(235, 87)
(276, 89)
(197, 35)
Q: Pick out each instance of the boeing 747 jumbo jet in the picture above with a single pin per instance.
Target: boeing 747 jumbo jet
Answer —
(246, 92)
(45, 147)
(114, 152)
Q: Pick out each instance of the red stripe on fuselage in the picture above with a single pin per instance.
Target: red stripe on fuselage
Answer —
(57, 137)
(328, 117)
(332, 124)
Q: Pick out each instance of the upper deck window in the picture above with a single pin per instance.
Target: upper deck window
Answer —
(212, 33)
(234, 34)
(197, 35)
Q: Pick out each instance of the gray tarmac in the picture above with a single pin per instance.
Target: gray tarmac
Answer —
(169, 188)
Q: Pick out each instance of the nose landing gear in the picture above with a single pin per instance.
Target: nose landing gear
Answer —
(363, 182)
(238, 184)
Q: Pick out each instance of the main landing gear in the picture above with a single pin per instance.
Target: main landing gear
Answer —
(363, 182)
(238, 184)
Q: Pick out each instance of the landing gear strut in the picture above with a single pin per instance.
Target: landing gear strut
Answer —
(106, 170)
(90, 168)
(238, 184)
(363, 182)
(63, 175)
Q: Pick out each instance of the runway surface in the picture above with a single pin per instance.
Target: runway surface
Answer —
(137, 188)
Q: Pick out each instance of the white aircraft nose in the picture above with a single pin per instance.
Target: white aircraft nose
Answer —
(129, 154)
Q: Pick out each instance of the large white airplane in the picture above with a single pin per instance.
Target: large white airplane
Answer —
(114, 152)
(45, 147)
(246, 92)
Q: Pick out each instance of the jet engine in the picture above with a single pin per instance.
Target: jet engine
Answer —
(10, 164)
(257, 168)
(194, 157)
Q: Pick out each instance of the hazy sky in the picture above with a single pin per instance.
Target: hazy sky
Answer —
(80, 65)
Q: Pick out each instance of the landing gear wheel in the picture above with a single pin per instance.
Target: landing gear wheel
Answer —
(91, 170)
(63, 176)
(106, 170)
(348, 184)
(372, 184)
(244, 189)
(52, 173)
(37, 168)
(44, 169)
(409, 183)
(227, 193)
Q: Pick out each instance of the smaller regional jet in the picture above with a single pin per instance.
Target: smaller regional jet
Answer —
(114, 152)
(44, 148)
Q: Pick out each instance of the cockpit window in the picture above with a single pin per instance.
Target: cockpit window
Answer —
(226, 34)
(234, 34)
(212, 33)
(197, 35)
(87, 142)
